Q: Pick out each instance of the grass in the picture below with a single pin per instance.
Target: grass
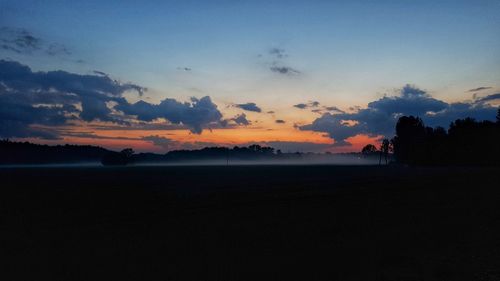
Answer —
(250, 223)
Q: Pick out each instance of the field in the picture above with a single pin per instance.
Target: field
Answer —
(250, 223)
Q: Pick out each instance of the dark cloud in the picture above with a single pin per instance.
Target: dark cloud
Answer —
(22, 41)
(307, 105)
(479, 89)
(277, 63)
(333, 108)
(489, 98)
(278, 53)
(284, 70)
(30, 99)
(19, 40)
(143, 126)
(380, 117)
(94, 136)
(196, 115)
(100, 73)
(280, 121)
(241, 119)
(250, 106)
(314, 103)
(57, 49)
(51, 98)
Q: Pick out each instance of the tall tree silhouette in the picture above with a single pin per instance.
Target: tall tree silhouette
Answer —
(409, 139)
(467, 142)
(384, 149)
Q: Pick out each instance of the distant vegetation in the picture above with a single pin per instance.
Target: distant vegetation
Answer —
(466, 142)
(29, 153)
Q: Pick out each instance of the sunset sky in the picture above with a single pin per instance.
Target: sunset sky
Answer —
(296, 75)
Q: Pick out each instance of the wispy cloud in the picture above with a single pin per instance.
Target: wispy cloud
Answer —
(277, 62)
(310, 104)
(287, 70)
(479, 89)
(23, 41)
(278, 53)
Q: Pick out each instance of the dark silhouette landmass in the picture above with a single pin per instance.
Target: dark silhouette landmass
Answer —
(29, 153)
(466, 142)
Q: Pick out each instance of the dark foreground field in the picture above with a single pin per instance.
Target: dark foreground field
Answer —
(250, 223)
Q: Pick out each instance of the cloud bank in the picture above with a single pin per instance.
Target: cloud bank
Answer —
(29, 100)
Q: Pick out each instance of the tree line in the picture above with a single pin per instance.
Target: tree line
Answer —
(466, 142)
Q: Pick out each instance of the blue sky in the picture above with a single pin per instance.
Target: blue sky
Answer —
(273, 53)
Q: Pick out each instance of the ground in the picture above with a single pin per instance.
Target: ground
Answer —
(250, 223)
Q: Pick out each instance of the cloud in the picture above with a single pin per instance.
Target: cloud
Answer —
(479, 89)
(307, 105)
(277, 63)
(22, 41)
(278, 53)
(51, 98)
(489, 98)
(196, 115)
(286, 70)
(250, 106)
(241, 119)
(280, 121)
(87, 135)
(333, 108)
(380, 117)
(30, 100)
(19, 40)
(57, 49)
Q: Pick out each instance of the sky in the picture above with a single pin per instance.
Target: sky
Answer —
(297, 75)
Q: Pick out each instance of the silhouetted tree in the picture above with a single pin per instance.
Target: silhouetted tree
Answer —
(467, 142)
(30, 153)
(384, 149)
(368, 149)
(127, 152)
(123, 157)
(409, 139)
